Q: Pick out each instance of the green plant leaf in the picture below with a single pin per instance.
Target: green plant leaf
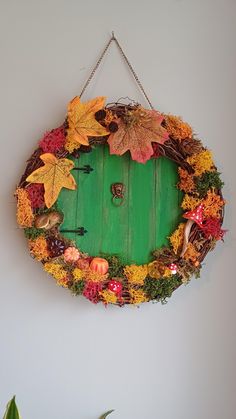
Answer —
(11, 410)
(106, 414)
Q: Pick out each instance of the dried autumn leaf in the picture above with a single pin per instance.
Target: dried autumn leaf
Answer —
(82, 122)
(55, 174)
(136, 132)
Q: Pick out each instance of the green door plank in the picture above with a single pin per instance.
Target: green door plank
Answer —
(85, 209)
(67, 203)
(115, 218)
(141, 211)
(168, 199)
(89, 206)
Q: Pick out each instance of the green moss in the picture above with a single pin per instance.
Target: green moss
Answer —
(161, 289)
(77, 287)
(207, 181)
(115, 266)
(33, 233)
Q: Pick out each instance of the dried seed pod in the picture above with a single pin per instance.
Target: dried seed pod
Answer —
(48, 221)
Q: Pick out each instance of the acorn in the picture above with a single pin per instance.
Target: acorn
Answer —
(113, 126)
(49, 220)
(100, 115)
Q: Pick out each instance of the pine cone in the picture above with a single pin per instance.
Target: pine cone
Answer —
(190, 146)
(56, 246)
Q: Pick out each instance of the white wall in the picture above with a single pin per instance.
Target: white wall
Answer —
(63, 357)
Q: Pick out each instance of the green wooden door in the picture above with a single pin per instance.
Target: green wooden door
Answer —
(149, 214)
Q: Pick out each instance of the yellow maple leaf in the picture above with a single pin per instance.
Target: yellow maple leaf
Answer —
(55, 174)
(82, 122)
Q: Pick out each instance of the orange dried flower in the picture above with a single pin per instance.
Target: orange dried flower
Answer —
(38, 248)
(186, 183)
(212, 205)
(25, 216)
(93, 276)
(177, 128)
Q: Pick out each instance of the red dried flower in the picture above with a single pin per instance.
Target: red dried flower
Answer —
(53, 141)
(212, 229)
(36, 195)
(91, 291)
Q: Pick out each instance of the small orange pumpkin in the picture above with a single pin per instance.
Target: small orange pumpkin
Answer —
(99, 265)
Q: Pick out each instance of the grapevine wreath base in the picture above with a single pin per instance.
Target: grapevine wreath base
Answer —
(146, 134)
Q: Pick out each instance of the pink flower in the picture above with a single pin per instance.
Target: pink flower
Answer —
(71, 254)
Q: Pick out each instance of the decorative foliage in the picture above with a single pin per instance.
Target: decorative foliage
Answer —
(137, 129)
(137, 296)
(186, 183)
(209, 180)
(53, 141)
(146, 134)
(212, 229)
(36, 195)
(25, 215)
(82, 123)
(177, 128)
(55, 174)
(213, 204)
(136, 274)
(190, 202)
(39, 248)
(56, 270)
(12, 411)
(201, 162)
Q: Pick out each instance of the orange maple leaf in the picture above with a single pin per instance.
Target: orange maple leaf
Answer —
(55, 174)
(136, 132)
(82, 122)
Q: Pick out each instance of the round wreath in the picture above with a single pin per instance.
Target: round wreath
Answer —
(145, 134)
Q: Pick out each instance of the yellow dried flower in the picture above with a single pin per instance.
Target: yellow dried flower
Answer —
(190, 202)
(186, 183)
(71, 144)
(212, 205)
(177, 238)
(201, 162)
(158, 270)
(191, 254)
(137, 296)
(177, 128)
(167, 273)
(108, 297)
(25, 215)
(136, 274)
(77, 274)
(38, 248)
(58, 272)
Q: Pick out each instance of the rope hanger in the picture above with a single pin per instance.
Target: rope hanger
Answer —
(113, 38)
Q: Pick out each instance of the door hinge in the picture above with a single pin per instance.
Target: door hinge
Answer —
(80, 231)
(86, 169)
